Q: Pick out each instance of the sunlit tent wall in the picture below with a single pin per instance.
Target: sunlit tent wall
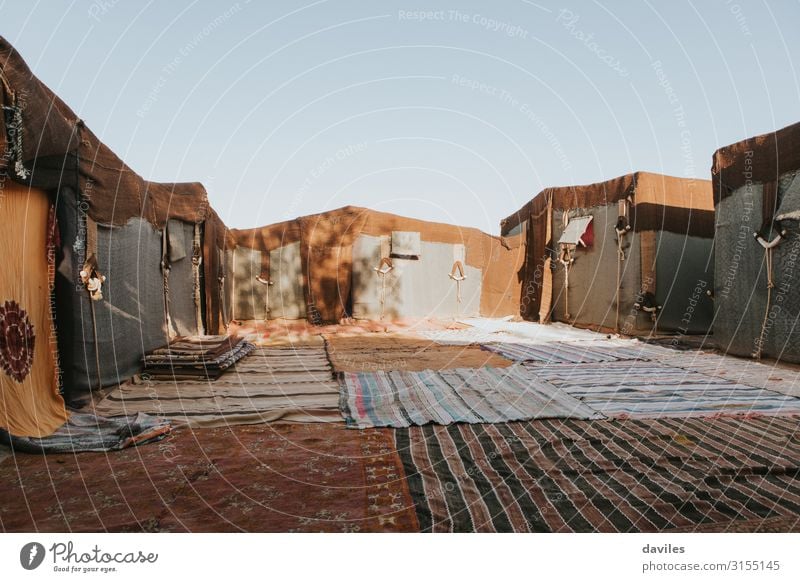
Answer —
(368, 265)
(632, 254)
(757, 198)
(148, 240)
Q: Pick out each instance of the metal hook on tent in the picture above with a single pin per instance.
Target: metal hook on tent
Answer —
(383, 269)
(457, 274)
(267, 283)
(647, 303)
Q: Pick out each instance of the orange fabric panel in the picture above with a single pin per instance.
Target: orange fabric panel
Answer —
(673, 192)
(29, 401)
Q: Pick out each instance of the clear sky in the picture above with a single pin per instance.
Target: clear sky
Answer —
(451, 111)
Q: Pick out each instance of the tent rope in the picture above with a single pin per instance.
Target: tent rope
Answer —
(197, 261)
(267, 284)
(383, 269)
(165, 276)
(93, 282)
(621, 229)
(769, 247)
(457, 274)
(566, 258)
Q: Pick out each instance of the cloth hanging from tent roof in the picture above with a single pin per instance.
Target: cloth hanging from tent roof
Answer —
(30, 403)
(406, 244)
(579, 231)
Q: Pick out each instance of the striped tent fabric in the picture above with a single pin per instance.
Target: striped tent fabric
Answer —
(573, 353)
(603, 476)
(402, 398)
(651, 390)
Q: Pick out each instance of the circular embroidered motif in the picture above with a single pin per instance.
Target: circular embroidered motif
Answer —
(16, 341)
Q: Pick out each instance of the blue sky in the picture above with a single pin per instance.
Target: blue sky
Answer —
(451, 111)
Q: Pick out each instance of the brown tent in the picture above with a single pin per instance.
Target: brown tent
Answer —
(158, 245)
(616, 255)
(367, 264)
(757, 199)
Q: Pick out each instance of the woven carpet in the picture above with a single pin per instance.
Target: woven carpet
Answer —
(652, 390)
(89, 433)
(768, 375)
(196, 357)
(372, 352)
(288, 384)
(401, 398)
(603, 476)
(578, 352)
(263, 478)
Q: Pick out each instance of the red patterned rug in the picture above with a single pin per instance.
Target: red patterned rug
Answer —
(260, 478)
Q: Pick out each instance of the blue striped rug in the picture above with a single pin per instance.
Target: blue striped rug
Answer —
(653, 390)
(574, 352)
(402, 398)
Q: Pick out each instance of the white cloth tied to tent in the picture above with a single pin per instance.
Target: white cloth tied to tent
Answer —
(573, 233)
(406, 244)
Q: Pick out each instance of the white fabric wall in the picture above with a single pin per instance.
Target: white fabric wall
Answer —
(286, 273)
(414, 288)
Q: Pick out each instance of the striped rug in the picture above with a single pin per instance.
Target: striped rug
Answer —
(286, 384)
(602, 476)
(573, 353)
(652, 390)
(402, 398)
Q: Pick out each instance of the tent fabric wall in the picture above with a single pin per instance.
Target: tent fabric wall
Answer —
(45, 145)
(684, 276)
(751, 319)
(286, 274)
(30, 403)
(414, 287)
(129, 320)
(654, 204)
(326, 247)
(181, 281)
(593, 277)
(249, 296)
